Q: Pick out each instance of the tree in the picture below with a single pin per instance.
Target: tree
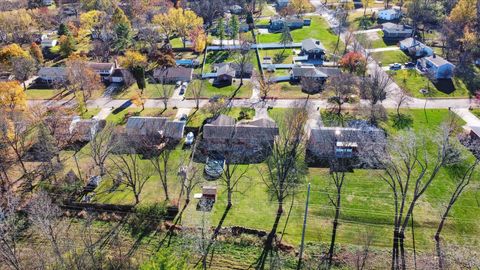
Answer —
(409, 170)
(123, 37)
(374, 89)
(196, 88)
(101, 146)
(243, 57)
(366, 4)
(221, 30)
(340, 88)
(10, 52)
(265, 84)
(463, 179)
(199, 40)
(354, 62)
(134, 173)
(161, 164)
(285, 170)
(10, 227)
(23, 68)
(138, 100)
(63, 30)
(12, 96)
(178, 21)
(82, 80)
(286, 37)
(136, 63)
(234, 28)
(301, 6)
(36, 53)
(67, 45)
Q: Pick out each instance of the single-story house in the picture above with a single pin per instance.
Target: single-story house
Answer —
(84, 130)
(276, 24)
(48, 43)
(173, 74)
(225, 75)
(389, 14)
(246, 141)
(282, 3)
(415, 48)
(437, 66)
(121, 76)
(313, 48)
(154, 128)
(329, 145)
(102, 69)
(51, 75)
(310, 71)
(396, 31)
(237, 68)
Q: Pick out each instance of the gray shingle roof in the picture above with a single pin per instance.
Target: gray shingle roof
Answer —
(152, 126)
(224, 127)
(52, 72)
(173, 72)
(311, 44)
(437, 60)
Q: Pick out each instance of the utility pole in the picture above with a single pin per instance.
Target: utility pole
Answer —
(300, 255)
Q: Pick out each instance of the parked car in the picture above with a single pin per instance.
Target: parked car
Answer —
(396, 66)
(185, 84)
(184, 117)
(182, 91)
(178, 83)
(409, 65)
(189, 138)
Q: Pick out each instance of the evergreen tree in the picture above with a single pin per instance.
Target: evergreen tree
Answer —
(123, 37)
(286, 37)
(234, 27)
(63, 30)
(221, 30)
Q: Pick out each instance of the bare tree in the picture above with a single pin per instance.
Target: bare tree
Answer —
(82, 81)
(265, 84)
(161, 164)
(374, 89)
(243, 57)
(23, 68)
(340, 89)
(285, 170)
(463, 181)
(362, 256)
(401, 99)
(133, 171)
(46, 217)
(196, 87)
(409, 171)
(165, 90)
(101, 146)
(10, 225)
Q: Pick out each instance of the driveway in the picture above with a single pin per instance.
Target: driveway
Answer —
(467, 116)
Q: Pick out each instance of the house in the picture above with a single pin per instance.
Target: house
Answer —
(396, 31)
(313, 48)
(311, 72)
(155, 128)
(121, 76)
(237, 68)
(50, 75)
(102, 69)
(225, 75)
(389, 14)
(47, 2)
(6, 76)
(349, 145)
(282, 3)
(437, 66)
(246, 141)
(415, 48)
(277, 24)
(173, 74)
(48, 43)
(84, 130)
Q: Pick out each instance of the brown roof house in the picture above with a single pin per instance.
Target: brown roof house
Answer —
(102, 69)
(173, 74)
(143, 134)
(349, 147)
(240, 142)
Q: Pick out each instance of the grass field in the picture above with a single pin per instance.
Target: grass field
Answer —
(318, 30)
(412, 82)
(389, 57)
(367, 203)
(210, 90)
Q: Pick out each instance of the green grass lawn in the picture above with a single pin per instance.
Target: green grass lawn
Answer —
(389, 57)
(374, 43)
(412, 82)
(288, 90)
(278, 56)
(197, 118)
(210, 90)
(366, 203)
(476, 112)
(90, 113)
(356, 20)
(41, 93)
(153, 90)
(318, 30)
(122, 117)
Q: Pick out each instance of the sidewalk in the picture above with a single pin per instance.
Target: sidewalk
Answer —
(467, 116)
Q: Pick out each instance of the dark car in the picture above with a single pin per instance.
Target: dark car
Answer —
(409, 65)
(395, 66)
(182, 91)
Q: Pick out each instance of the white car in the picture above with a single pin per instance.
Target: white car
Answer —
(185, 84)
(189, 138)
(178, 83)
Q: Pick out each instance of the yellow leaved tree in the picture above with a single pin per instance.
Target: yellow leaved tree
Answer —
(10, 52)
(12, 96)
(178, 21)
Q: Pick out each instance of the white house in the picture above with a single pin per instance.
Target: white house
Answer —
(437, 66)
(48, 43)
(415, 48)
(389, 14)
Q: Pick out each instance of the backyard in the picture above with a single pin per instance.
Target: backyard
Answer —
(389, 57)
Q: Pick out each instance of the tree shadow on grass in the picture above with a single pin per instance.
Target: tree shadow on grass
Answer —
(402, 121)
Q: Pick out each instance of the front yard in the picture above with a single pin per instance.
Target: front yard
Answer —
(412, 82)
(209, 90)
(153, 90)
(389, 57)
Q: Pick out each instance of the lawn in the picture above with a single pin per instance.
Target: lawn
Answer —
(411, 81)
(210, 90)
(278, 56)
(374, 40)
(121, 117)
(357, 21)
(389, 57)
(318, 30)
(476, 112)
(41, 93)
(288, 91)
(366, 206)
(197, 118)
(153, 90)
